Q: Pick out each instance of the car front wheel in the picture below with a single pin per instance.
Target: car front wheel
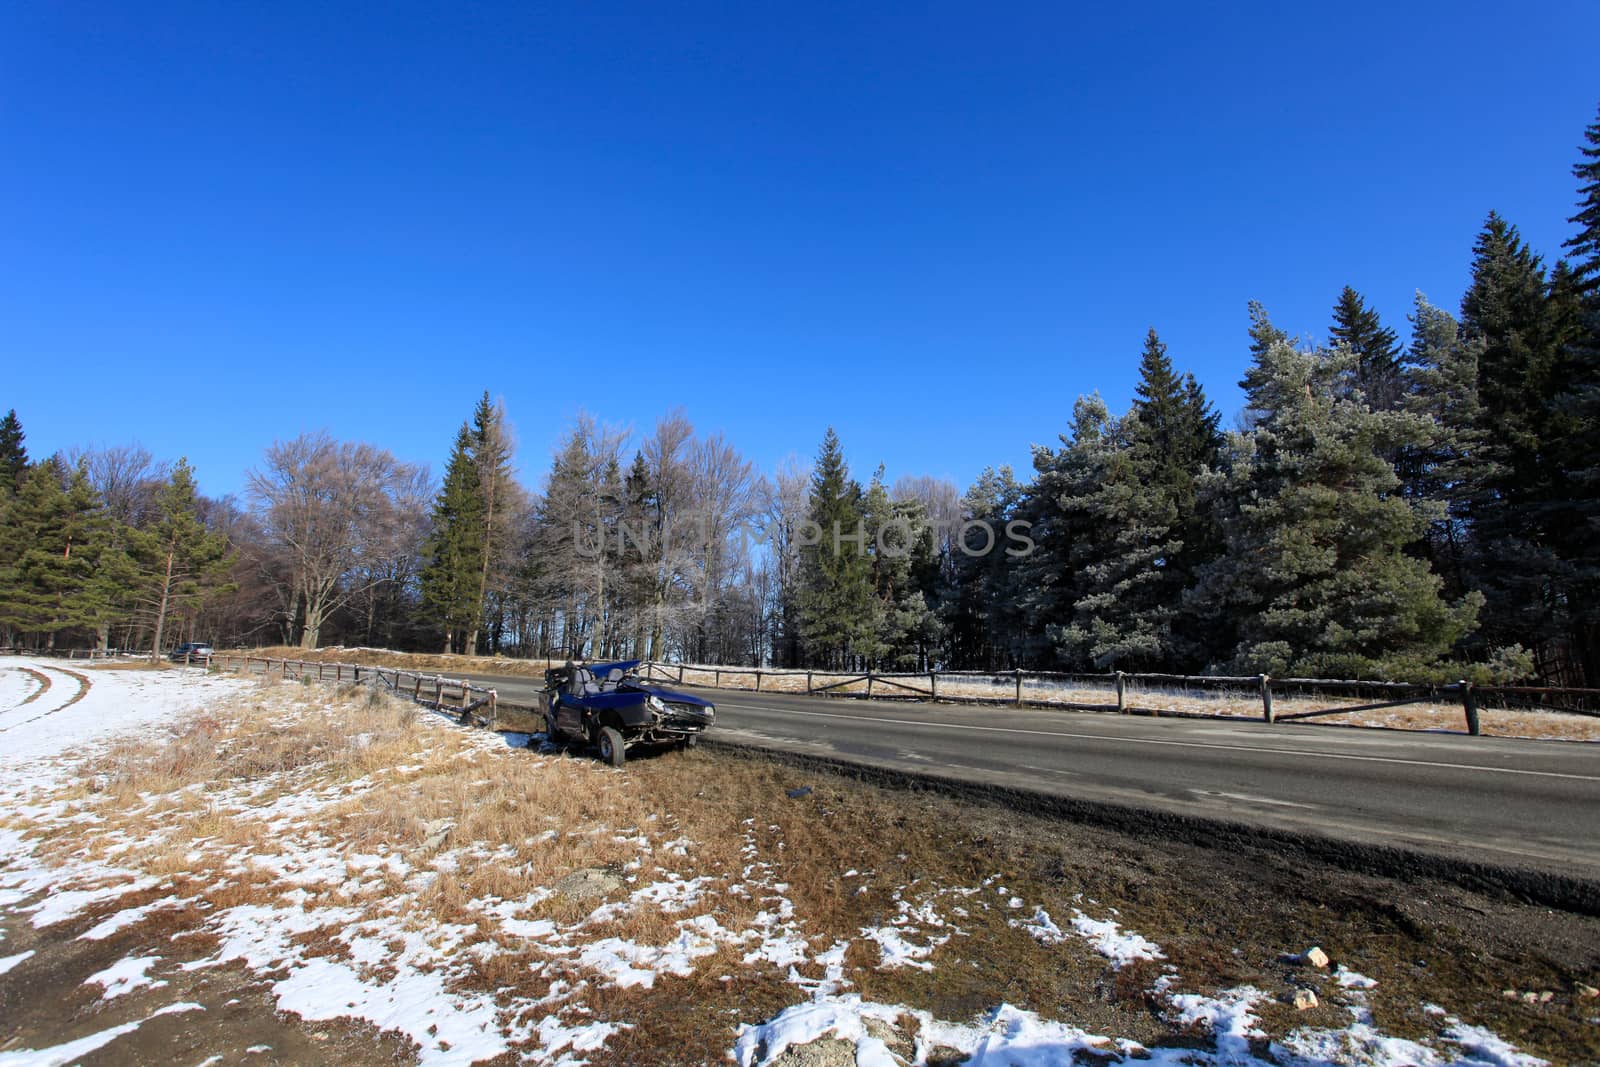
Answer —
(550, 733)
(611, 746)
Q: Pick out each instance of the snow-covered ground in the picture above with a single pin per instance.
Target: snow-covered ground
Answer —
(83, 704)
(334, 927)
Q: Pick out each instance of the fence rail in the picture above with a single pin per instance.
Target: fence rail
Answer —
(468, 701)
(1125, 693)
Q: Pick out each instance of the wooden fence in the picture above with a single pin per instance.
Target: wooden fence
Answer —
(1123, 690)
(467, 701)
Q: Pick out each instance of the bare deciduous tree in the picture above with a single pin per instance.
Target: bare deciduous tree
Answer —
(334, 510)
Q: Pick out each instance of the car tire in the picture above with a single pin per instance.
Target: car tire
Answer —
(612, 749)
(551, 734)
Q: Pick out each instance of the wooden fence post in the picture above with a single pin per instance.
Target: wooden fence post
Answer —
(680, 674)
(1019, 687)
(758, 681)
(494, 709)
(1469, 703)
(1266, 698)
(416, 692)
(438, 692)
(933, 686)
(1122, 693)
(869, 685)
(716, 679)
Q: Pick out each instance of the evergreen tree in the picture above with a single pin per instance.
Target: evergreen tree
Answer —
(1585, 244)
(1122, 536)
(1173, 437)
(181, 562)
(1505, 307)
(454, 547)
(1575, 517)
(1506, 311)
(985, 612)
(13, 456)
(839, 623)
(1316, 576)
(51, 540)
(1376, 349)
(1444, 470)
(491, 454)
(901, 544)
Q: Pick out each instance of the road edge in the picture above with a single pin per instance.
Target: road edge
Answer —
(1536, 885)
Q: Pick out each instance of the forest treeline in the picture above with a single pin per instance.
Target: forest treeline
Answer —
(1382, 509)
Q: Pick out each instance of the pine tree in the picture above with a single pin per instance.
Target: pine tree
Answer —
(1506, 311)
(454, 547)
(1445, 470)
(13, 456)
(1316, 576)
(1575, 516)
(901, 545)
(491, 454)
(1123, 538)
(1376, 349)
(1505, 307)
(1172, 437)
(181, 562)
(839, 623)
(54, 531)
(1585, 244)
(986, 612)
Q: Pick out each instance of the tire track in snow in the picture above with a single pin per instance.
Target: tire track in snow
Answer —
(41, 678)
(84, 684)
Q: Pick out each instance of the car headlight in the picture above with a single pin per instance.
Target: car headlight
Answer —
(655, 703)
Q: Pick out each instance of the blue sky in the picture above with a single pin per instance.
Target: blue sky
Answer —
(931, 226)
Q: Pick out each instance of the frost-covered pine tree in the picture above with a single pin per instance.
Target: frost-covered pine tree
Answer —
(1316, 576)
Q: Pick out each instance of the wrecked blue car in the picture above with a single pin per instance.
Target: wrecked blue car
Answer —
(609, 706)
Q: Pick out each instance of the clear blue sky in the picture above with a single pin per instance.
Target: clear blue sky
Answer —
(932, 226)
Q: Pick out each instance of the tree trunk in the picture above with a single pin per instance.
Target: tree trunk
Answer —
(312, 633)
(161, 610)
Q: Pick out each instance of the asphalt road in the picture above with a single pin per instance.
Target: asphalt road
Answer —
(1487, 800)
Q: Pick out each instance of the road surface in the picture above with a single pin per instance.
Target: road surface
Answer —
(1495, 801)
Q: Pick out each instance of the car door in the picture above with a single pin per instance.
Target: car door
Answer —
(569, 706)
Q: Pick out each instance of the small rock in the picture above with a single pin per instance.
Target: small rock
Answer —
(1316, 957)
(892, 1039)
(825, 1052)
(1530, 998)
(438, 833)
(1304, 1000)
(1509, 994)
(586, 883)
(802, 791)
(1587, 992)
(1546, 996)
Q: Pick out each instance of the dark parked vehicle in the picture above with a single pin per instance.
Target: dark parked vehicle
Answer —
(611, 707)
(192, 650)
